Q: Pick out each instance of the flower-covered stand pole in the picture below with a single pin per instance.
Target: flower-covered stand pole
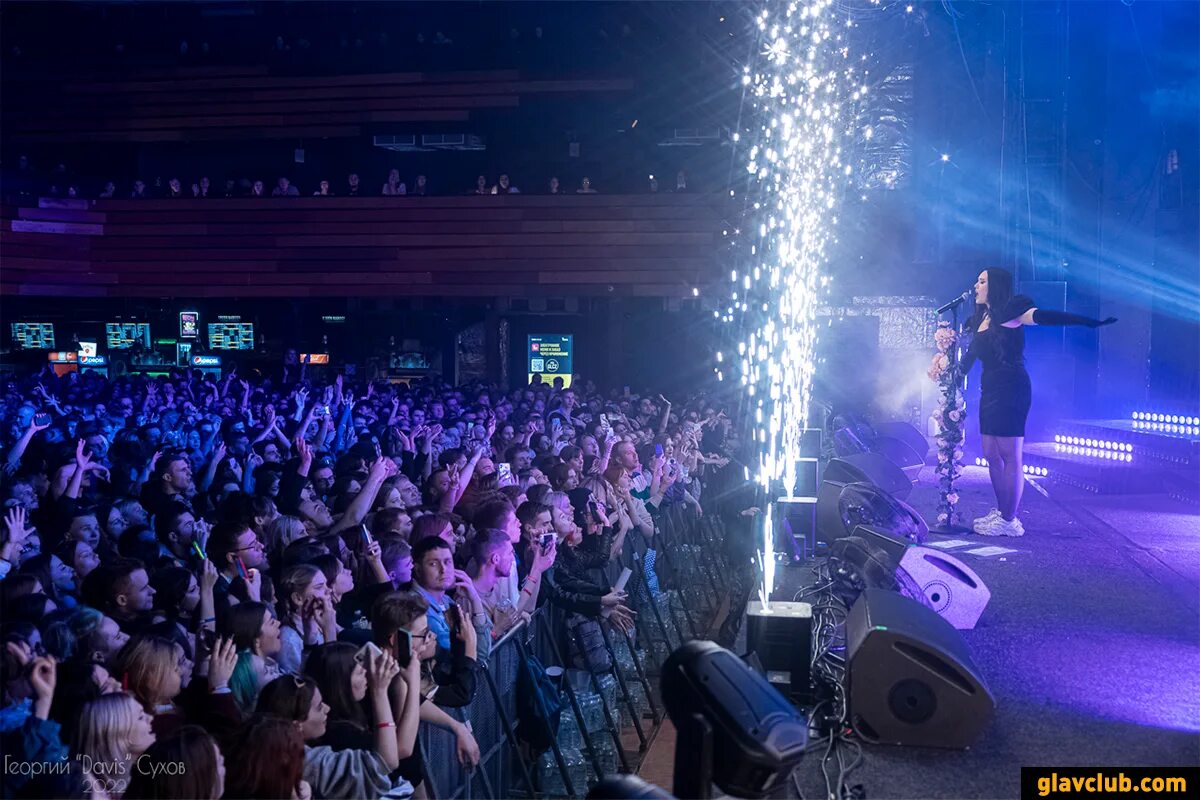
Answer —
(948, 420)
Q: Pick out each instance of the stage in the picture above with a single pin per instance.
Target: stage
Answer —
(1091, 644)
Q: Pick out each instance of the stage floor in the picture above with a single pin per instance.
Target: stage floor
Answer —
(1091, 645)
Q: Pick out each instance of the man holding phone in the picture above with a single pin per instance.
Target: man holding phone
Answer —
(444, 588)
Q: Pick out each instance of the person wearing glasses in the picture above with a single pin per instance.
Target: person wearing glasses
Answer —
(400, 625)
(234, 547)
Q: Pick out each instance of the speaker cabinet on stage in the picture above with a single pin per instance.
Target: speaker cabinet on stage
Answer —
(808, 464)
(910, 677)
(952, 588)
(912, 438)
(796, 526)
(781, 637)
(869, 468)
(830, 527)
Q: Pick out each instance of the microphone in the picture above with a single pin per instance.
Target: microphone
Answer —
(962, 298)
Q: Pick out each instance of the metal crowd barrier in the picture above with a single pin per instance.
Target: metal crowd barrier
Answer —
(692, 582)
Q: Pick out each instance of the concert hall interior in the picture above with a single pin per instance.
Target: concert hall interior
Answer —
(553, 399)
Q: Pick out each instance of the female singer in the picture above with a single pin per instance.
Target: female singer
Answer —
(1005, 391)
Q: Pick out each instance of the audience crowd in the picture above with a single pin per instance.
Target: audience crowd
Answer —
(275, 583)
(24, 180)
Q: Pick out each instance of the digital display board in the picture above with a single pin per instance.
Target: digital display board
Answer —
(123, 335)
(231, 335)
(189, 325)
(550, 355)
(33, 335)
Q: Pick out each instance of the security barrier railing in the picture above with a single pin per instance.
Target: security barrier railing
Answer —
(678, 606)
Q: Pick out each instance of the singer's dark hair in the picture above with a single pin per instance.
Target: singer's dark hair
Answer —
(1000, 293)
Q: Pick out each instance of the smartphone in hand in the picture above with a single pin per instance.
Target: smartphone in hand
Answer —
(619, 586)
(546, 543)
(366, 653)
(404, 649)
(505, 473)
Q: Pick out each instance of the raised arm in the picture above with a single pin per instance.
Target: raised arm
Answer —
(1046, 316)
(356, 512)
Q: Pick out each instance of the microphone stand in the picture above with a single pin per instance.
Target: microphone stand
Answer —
(950, 436)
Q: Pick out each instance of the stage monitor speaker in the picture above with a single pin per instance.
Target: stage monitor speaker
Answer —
(869, 468)
(830, 527)
(781, 637)
(910, 677)
(796, 526)
(906, 434)
(843, 506)
(948, 584)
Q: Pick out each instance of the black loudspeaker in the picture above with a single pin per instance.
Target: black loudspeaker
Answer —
(943, 582)
(796, 526)
(830, 527)
(781, 637)
(910, 677)
(843, 506)
(888, 434)
(869, 468)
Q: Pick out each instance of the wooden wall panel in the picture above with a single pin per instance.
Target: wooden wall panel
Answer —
(520, 245)
(191, 105)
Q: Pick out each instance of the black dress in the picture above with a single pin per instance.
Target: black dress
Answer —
(1005, 391)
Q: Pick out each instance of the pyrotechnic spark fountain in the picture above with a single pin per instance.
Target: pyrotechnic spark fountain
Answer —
(803, 86)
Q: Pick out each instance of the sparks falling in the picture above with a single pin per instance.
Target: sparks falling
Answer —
(802, 86)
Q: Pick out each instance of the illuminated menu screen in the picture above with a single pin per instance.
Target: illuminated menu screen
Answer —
(123, 335)
(33, 335)
(231, 335)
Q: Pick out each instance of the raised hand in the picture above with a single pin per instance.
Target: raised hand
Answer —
(374, 552)
(83, 459)
(381, 668)
(14, 520)
(543, 561)
(254, 584)
(208, 576)
(44, 677)
(21, 652)
(463, 581)
(221, 663)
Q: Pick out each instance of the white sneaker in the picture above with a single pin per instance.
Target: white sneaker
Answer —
(1001, 527)
(986, 519)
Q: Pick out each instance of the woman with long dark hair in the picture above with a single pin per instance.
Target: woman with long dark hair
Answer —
(998, 340)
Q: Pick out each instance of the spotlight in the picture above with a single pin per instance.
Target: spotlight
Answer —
(755, 736)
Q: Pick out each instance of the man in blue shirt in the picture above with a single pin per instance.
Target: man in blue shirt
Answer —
(433, 576)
